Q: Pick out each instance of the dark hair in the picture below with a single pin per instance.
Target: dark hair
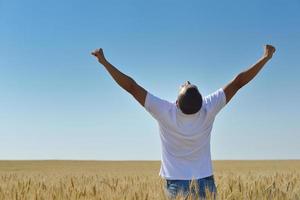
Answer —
(190, 100)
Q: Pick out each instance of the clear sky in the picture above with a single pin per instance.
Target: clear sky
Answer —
(57, 102)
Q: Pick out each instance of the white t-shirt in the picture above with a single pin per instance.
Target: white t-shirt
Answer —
(185, 139)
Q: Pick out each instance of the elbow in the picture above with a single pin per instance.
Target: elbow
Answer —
(131, 86)
(239, 83)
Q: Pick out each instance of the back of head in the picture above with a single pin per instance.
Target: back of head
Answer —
(189, 100)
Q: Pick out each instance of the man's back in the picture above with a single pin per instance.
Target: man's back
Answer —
(185, 138)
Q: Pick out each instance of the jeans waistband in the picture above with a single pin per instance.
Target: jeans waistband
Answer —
(208, 178)
(205, 178)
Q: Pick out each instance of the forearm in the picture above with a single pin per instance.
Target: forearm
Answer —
(123, 80)
(247, 75)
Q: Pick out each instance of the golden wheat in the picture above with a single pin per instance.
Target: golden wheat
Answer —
(139, 180)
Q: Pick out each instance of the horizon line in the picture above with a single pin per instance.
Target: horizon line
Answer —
(141, 160)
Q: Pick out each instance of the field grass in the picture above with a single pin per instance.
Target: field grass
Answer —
(117, 180)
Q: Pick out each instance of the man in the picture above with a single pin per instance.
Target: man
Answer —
(185, 126)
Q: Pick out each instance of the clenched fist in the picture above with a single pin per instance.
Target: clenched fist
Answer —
(98, 53)
(269, 50)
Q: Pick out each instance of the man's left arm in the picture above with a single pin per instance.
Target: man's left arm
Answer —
(126, 82)
(246, 76)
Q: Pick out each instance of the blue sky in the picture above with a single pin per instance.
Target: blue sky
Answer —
(57, 102)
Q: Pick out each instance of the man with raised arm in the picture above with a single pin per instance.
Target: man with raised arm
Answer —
(185, 126)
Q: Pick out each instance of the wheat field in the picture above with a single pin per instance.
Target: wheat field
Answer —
(139, 180)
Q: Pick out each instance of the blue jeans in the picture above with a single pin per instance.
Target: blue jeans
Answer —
(176, 187)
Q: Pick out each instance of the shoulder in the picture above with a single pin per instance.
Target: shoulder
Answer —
(215, 101)
(157, 105)
(218, 95)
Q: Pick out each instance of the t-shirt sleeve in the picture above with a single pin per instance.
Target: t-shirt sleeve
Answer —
(215, 102)
(157, 107)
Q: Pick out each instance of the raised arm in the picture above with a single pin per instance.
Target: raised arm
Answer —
(246, 76)
(126, 82)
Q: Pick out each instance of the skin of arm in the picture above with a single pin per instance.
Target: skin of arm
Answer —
(124, 81)
(246, 76)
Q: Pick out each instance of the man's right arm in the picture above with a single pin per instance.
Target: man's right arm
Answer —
(246, 76)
